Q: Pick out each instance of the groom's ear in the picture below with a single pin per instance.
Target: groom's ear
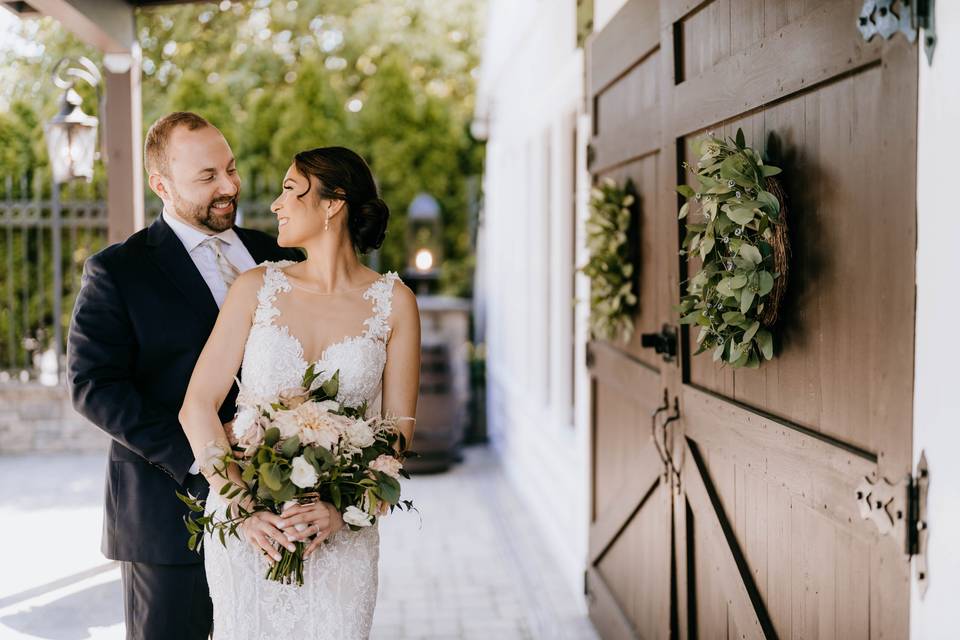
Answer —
(155, 180)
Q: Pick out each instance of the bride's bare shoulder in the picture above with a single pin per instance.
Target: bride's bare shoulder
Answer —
(405, 309)
(242, 296)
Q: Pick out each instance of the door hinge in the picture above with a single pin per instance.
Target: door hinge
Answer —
(877, 17)
(899, 510)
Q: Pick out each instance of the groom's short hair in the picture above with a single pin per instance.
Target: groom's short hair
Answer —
(155, 158)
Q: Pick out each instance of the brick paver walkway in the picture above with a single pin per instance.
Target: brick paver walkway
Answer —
(466, 567)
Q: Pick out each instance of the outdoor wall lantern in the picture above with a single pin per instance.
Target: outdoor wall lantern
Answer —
(424, 243)
(423, 234)
(72, 134)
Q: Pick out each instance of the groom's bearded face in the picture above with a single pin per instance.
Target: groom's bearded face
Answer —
(218, 214)
(203, 184)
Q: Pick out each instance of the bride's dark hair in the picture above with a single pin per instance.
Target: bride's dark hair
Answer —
(344, 175)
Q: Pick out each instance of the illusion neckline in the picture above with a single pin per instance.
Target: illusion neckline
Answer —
(301, 354)
(363, 288)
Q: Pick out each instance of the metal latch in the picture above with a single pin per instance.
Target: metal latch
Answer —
(899, 510)
(878, 17)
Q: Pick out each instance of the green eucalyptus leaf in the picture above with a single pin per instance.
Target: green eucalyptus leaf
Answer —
(749, 333)
(768, 170)
(741, 215)
(270, 474)
(751, 253)
(724, 288)
(706, 246)
(733, 317)
(746, 299)
(764, 283)
(685, 190)
(271, 436)
(769, 202)
(290, 447)
(765, 339)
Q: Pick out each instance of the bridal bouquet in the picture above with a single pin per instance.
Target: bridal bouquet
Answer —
(300, 447)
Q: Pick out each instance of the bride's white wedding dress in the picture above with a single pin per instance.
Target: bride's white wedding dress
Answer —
(339, 591)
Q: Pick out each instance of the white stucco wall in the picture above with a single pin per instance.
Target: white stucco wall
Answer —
(936, 400)
(531, 92)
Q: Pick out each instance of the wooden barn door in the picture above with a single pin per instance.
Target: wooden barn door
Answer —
(766, 533)
(629, 577)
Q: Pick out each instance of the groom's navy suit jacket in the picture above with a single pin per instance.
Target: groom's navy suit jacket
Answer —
(140, 321)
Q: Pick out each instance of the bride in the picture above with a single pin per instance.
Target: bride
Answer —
(278, 318)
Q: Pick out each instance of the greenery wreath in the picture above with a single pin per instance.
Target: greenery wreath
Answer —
(743, 246)
(610, 265)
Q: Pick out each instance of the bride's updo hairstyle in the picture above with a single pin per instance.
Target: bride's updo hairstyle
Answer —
(344, 175)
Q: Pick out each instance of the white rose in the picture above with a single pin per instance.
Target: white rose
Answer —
(357, 517)
(287, 422)
(328, 405)
(303, 475)
(245, 418)
(360, 434)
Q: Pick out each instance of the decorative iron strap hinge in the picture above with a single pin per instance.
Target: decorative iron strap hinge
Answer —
(878, 18)
(899, 510)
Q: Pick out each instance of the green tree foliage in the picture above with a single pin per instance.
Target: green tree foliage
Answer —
(391, 79)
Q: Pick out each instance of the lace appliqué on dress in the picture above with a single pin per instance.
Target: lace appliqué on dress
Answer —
(339, 592)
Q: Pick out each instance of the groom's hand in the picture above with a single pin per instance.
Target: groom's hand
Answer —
(263, 530)
(228, 429)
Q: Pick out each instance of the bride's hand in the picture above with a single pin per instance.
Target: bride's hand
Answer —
(320, 518)
(262, 529)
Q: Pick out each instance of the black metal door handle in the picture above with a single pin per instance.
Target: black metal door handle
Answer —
(664, 342)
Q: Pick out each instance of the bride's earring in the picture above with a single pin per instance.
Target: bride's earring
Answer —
(326, 224)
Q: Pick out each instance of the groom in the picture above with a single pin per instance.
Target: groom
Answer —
(145, 309)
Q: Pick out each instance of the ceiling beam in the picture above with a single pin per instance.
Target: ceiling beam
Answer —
(105, 24)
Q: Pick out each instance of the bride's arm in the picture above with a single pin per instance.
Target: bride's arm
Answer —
(401, 374)
(215, 370)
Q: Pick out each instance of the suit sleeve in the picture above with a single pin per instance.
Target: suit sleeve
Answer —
(101, 352)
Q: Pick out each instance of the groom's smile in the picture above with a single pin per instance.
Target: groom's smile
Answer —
(200, 182)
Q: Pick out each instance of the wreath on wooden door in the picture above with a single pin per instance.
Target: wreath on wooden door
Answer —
(744, 251)
(613, 301)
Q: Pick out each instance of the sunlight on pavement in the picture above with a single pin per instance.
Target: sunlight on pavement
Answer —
(466, 566)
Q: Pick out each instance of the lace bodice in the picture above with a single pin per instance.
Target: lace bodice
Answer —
(273, 358)
(337, 599)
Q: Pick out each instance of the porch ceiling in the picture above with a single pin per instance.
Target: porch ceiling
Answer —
(25, 9)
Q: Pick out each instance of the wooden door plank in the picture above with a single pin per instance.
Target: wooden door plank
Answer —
(743, 599)
(814, 48)
(822, 474)
(604, 530)
(626, 116)
(630, 36)
(607, 616)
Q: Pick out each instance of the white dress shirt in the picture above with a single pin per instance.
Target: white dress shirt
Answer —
(206, 261)
(205, 258)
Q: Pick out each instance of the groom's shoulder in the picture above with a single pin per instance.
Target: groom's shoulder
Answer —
(120, 253)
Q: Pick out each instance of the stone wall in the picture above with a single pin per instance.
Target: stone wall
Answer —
(40, 418)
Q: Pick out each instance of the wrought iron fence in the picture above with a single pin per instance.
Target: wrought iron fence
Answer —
(46, 234)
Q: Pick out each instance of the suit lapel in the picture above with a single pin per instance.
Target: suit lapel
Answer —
(172, 258)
